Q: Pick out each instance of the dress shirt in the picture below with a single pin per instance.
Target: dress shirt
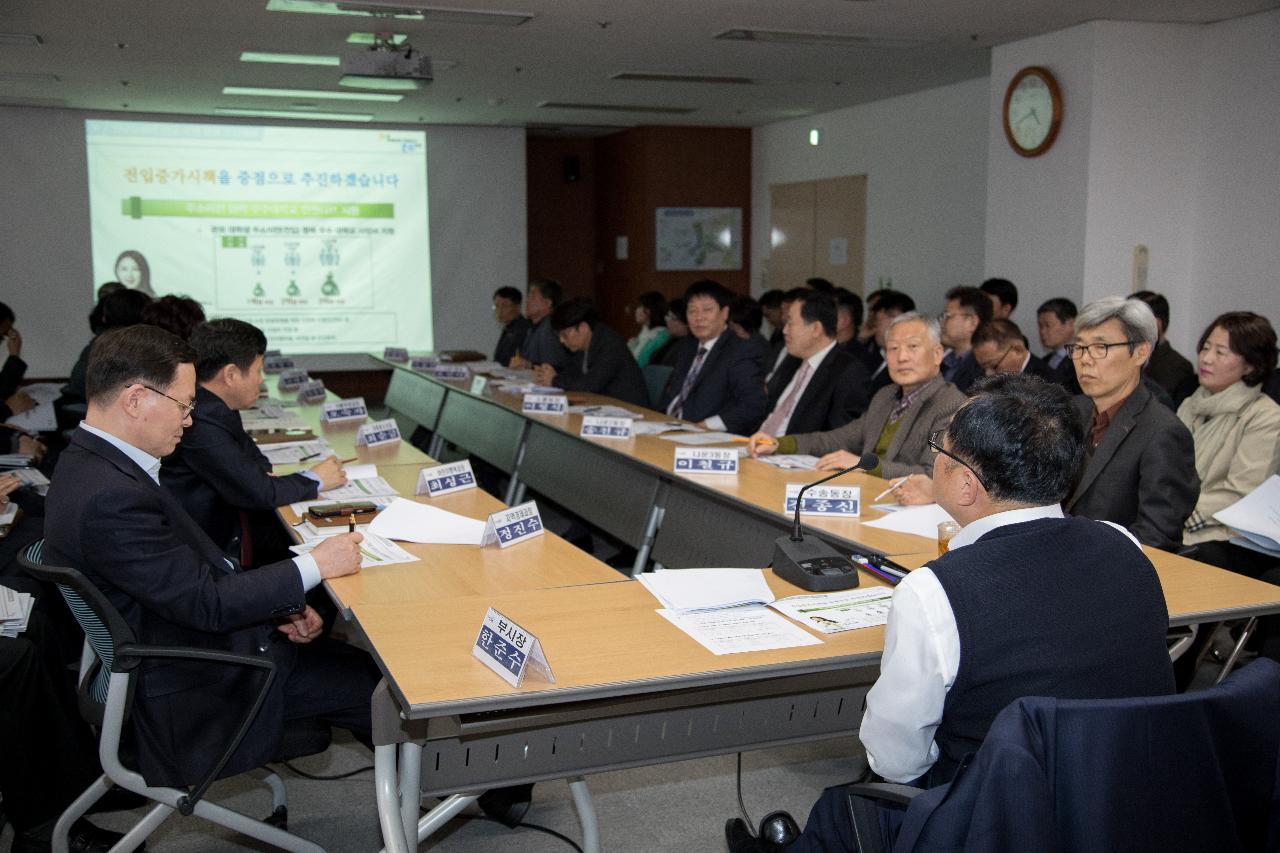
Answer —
(1055, 357)
(921, 659)
(814, 361)
(1101, 422)
(714, 422)
(307, 568)
(1022, 368)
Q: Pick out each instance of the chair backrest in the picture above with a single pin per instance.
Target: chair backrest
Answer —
(1194, 771)
(655, 381)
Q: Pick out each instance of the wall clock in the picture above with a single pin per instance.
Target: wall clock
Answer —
(1032, 111)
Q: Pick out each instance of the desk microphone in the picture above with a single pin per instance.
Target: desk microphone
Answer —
(807, 561)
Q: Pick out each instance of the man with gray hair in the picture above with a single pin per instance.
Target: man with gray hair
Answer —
(1140, 461)
(900, 417)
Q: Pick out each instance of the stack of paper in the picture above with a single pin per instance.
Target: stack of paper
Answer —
(918, 520)
(834, 612)
(15, 610)
(270, 416)
(41, 418)
(604, 412)
(483, 366)
(296, 452)
(374, 551)
(527, 388)
(1256, 517)
(657, 428)
(688, 590)
(361, 489)
(739, 629)
(15, 460)
(703, 438)
(514, 375)
(791, 461)
(410, 521)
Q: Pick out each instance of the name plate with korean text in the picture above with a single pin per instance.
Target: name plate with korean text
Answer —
(479, 383)
(706, 460)
(352, 409)
(509, 526)
(598, 427)
(292, 380)
(443, 479)
(424, 362)
(545, 404)
(276, 364)
(378, 432)
(509, 650)
(312, 392)
(455, 372)
(399, 355)
(841, 501)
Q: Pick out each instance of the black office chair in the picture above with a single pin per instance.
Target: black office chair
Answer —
(110, 658)
(1189, 772)
(655, 381)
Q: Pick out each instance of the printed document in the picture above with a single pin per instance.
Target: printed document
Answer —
(687, 590)
(740, 629)
(374, 550)
(410, 521)
(918, 520)
(834, 612)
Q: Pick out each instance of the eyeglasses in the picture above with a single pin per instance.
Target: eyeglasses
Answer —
(994, 367)
(936, 446)
(1097, 352)
(187, 408)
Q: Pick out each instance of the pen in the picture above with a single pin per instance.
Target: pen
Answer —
(351, 523)
(766, 441)
(309, 457)
(892, 486)
(352, 459)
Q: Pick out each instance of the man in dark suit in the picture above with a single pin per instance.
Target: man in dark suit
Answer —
(745, 317)
(506, 310)
(967, 308)
(1056, 322)
(1000, 347)
(955, 653)
(540, 345)
(890, 305)
(1140, 470)
(823, 387)
(717, 380)
(216, 471)
(1167, 367)
(599, 360)
(108, 516)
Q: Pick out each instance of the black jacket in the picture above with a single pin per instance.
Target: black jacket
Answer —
(610, 369)
(509, 342)
(730, 384)
(838, 392)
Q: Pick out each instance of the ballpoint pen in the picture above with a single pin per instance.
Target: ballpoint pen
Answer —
(892, 486)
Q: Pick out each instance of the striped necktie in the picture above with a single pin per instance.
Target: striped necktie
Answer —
(677, 405)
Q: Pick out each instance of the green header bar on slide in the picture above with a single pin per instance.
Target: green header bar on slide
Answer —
(137, 207)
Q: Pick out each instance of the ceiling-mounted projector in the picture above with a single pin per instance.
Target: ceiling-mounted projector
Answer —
(382, 62)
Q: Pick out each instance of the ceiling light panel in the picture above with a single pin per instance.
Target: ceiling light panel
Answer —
(263, 92)
(403, 10)
(664, 77)
(291, 58)
(20, 40)
(371, 38)
(25, 77)
(617, 108)
(248, 113)
(821, 39)
(379, 84)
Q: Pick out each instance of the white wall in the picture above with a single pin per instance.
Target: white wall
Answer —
(924, 158)
(476, 184)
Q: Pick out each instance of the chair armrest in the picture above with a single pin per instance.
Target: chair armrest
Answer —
(135, 651)
(889, 792)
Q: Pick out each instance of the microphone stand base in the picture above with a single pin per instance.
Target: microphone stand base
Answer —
(812, 564)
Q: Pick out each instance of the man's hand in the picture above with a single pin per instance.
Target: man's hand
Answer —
(338, 555)
(836, 460)
(32, 446)
(19, 402)
(544, 374)
(915, 490)
(15, 342)
(302, 627)
(9, 484)
(762, 444)
(518, 363)
(330, 473)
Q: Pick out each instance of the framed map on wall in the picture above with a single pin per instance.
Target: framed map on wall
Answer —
(699, 238)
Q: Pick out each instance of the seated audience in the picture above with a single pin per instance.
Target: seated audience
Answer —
(890, 305)
(506, 310)
(120, 308)
(826, 387)
(12, 401)
(541, 346)
(771, 307)
(1056, 321)
(95, 316)
(1236, 429)
(1167, 367)
(1140, 462)
(1003, 295)
(967, 308)
(599, 360)
(745, 318)
(1000, 347)
(782, 361)
(177, 314)
(717, 381)
(900, 417)
(864, 345)
(848, 318)
(222, 479)
(954, 654)
(820, 284)
(173, 585)
(650, 313)
(677, 330)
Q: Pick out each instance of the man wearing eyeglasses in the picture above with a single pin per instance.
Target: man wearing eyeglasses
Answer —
(1140, 461)
(1000, 347)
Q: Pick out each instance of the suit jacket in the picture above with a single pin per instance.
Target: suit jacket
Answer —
(217, 471)
(730, 384)
(611, 369)
(172, 584)
(1143, 474)
(513, 335)
(909, 451)
(10, 375)
(838, 392)
(1037, 366)
(542, 346)
(763, 352)
(1168, 368)
(963, 371)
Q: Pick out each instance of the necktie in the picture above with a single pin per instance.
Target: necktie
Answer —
(782, 414)
(677, 405)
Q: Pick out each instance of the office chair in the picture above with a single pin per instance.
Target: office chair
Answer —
(111, 656)
(1188, 772)
(655, 381)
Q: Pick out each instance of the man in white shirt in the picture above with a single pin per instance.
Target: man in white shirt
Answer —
(1008, 612)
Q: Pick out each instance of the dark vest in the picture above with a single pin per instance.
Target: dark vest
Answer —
(1066, 608)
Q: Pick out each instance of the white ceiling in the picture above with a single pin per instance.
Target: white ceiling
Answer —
(175, 56)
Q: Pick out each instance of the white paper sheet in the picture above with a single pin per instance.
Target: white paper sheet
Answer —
(605, 412)
(360, 490)
(791, 461)
(411, 521)
(702, 438)
(834, 612)
(919, 520)
(374, 551)
(659, 427)
(707, 589)
(740, 629)
(482, 366)
(296, 452)
(42, 417)
(1257, 515)
(360, 472)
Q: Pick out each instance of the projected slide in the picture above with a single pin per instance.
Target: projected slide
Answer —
(318, 236)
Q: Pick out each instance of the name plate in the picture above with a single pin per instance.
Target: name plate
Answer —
(353, 409)
(509, 526)
(276, 364)
(312, 391)
(443, 479)
(706, 460)
(292, 380)
(399, 355)
(547, 404)
(842, 501)
(450, 371)
(378, 432)
(598, 427)
(423, 362)
(479, 383)
(509, 650)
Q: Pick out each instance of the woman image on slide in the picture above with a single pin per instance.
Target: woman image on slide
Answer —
(133, 271)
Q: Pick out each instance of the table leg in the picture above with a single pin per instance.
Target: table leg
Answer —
(410, 792)
(444, 812)
(386, 783)
(586, 815)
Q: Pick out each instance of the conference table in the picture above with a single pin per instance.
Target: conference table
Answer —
(629, 687)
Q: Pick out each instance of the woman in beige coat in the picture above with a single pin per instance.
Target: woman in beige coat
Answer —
(1236, 429)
